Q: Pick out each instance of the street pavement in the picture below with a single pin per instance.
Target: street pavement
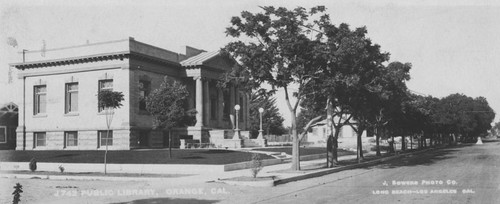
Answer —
(461, 174)
(465, 174)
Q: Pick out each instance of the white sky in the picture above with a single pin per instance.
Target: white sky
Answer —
(454, 46)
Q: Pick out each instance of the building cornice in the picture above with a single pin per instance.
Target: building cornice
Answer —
(93, 58)
(72, 60)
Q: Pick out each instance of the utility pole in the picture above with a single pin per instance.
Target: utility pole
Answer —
(24, 53)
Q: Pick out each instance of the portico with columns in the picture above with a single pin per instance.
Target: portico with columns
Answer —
(215, 113)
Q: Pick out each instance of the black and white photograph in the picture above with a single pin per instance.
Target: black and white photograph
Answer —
(249, 101)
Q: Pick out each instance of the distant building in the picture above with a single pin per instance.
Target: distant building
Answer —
(59, 109)
(318, 135)
(8, 125)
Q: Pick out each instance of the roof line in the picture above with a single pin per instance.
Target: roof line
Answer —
(68, 58)
(75, 46)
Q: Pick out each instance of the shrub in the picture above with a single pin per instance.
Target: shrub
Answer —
(18, 189)
(61, 168)
(33, 164)
(256, 165)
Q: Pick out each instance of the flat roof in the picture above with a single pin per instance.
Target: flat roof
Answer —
(124, 46)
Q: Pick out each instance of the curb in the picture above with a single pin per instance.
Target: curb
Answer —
(270, 162)
(338, 169)
(265, 183)
(81, 178)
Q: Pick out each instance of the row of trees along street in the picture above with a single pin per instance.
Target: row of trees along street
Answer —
(338, 73)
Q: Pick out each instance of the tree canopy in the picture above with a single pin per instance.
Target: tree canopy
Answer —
(280, 52)
(167, 105)
(338, 72)
(272, 121)
(110, 99)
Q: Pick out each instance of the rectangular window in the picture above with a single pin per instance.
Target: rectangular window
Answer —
(40, 99)
(3, 134)
(70, 139)
(104, 138)
(71, 97)
(105, 85)
(144, 89)
(39, 139)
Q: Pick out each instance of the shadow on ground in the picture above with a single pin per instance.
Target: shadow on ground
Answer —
(169, 200)
(426, 158)
(490, 140)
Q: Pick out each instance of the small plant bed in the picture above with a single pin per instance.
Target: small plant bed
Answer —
(51, 173)
(306, 150)
(158, 156)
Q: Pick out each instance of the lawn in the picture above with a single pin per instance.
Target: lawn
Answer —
(305, 150)
(184, 156)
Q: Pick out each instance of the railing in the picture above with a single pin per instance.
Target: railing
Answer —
(278, 138)
(199, 145)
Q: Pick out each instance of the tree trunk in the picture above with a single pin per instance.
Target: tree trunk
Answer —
(360, 145)
(169, 144)
(411, 141)
(329, 132)
(403, 142)
(295, 151)
(332, 148)
(418, 140)
(393, 148)
(295, 145)
(430, 141)
(377, 141)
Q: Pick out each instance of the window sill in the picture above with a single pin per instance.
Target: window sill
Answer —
(72, 114)
(40, 116)
(110, 147)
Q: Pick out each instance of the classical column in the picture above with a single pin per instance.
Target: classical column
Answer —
(191, 90)
(247, 109)
(206, 97)
(231, 106)
(220, 109)
(199, 102)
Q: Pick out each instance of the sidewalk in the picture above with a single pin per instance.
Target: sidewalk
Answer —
(281, 172)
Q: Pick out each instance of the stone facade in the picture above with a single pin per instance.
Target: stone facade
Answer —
(50, 116)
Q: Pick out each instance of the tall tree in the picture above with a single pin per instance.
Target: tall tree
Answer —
(109, 101)
(272, 121)
(389, 98)
(167, 105)
(495, 130)
(363, 82)
(464, 117)
(279, 50)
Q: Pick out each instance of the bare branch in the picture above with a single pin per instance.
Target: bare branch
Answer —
(309, 124)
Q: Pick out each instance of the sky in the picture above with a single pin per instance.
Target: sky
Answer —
(454, 46)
